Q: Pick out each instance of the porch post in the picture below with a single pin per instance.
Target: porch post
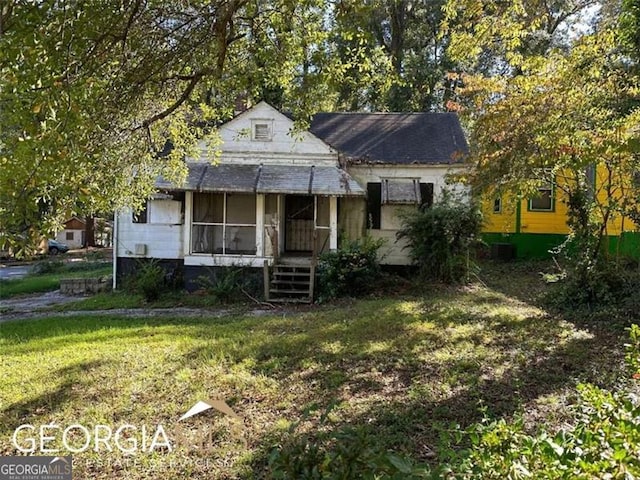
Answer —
(281, 226)
(260, 225)
(188, 216)
(333, 223)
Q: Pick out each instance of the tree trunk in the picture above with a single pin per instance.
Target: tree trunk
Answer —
(89, 232)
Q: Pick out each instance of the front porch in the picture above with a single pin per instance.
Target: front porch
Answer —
(238, 229)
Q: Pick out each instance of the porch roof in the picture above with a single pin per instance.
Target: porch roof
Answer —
(294, 179)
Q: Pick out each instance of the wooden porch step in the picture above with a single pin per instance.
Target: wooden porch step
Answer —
(286, 290)
(291, 274)
(291, 282)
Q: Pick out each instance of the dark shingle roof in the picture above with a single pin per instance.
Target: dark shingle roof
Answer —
(396, 138)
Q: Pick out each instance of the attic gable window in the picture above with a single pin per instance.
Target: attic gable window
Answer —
(261, 130)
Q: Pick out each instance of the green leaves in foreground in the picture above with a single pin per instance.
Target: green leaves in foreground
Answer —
(604, 443)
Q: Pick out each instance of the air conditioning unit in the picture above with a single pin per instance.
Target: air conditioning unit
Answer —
(140, 249)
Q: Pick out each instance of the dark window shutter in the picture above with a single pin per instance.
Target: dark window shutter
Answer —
(374, 200)
(426, 192)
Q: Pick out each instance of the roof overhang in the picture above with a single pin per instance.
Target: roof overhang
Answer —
(288, 179)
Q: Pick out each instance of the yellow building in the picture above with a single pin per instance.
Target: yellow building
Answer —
(533, 227)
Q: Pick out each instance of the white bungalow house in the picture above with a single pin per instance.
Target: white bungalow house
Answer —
(278, 198)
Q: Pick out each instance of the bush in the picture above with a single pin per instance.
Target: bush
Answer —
(351, 270)
(226, 284)
(149, 280)
(47, 266)
(610, 285)
(442, 238)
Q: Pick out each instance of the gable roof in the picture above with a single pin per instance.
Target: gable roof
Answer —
(393, 138)
(75, 223)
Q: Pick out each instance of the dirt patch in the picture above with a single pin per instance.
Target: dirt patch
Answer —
(30, 306)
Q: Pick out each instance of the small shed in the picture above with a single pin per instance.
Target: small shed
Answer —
(73, 233)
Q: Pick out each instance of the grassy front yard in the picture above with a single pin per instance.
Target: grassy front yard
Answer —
(49, 280)
(395, 368)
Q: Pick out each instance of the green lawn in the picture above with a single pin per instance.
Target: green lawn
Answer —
(46, 282)
(396, 369)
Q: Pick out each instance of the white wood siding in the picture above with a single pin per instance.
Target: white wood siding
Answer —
(392, 252)
(285, 147)
(162, 240)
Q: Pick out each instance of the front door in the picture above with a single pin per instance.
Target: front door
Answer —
(299, 224)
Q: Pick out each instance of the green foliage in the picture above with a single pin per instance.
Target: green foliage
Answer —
(566, 117)
(607, 288)
(602, 442)
(150, 279)
(226, 284)
(351, 270)
(393, 56)
(630, 27)
(632, 351)
(47, 266)
(441, 238)
(336, 453)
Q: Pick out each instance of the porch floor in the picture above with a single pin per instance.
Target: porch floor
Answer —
(302, 260)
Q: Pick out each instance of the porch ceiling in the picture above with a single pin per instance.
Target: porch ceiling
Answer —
(294, 179)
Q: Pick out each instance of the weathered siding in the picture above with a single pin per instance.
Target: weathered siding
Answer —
(393, 251)
(162, 240)
(352, 219)
(503, 221)
(285, 145)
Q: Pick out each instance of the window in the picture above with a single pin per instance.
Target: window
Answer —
(69, 236)
(407, 191)
(261, 130)
(224, 223)
(141, 216)
(544, 201)
(497, 205)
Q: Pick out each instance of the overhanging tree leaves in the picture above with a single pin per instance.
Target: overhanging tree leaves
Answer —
(91, 92)
(564, 116)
